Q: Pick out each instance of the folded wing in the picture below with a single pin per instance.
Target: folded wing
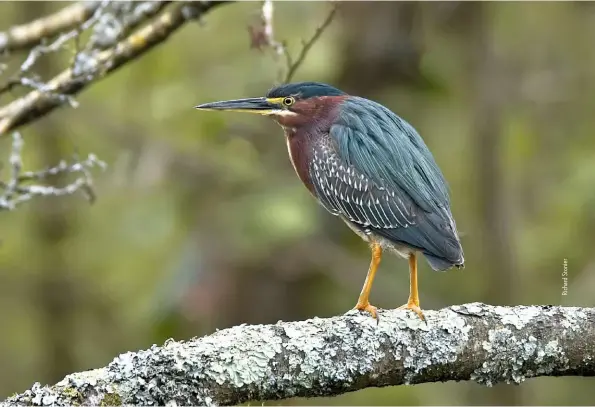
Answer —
(377, 173)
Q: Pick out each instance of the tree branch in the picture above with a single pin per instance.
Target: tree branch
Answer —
(25, 36)
(306, 45)
(263, 36)
(94, 65)
(20, 186)
(325, 357)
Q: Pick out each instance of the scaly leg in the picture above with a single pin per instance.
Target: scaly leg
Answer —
(363, 303)
(413, 303)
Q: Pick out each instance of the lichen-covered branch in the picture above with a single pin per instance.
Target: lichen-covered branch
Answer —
(105, 54)
(325, 357)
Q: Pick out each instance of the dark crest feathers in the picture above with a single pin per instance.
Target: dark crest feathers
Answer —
(304, 90)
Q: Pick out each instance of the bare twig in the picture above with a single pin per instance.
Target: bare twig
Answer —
(25, 36)
(20, 188)
(326, 357)
(62, 39)
(307, 45)
(263, 36)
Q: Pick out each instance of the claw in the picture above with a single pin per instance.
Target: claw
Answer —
(415, 308)
(368, 308)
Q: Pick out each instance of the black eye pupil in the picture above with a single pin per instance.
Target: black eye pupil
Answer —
(288, 101)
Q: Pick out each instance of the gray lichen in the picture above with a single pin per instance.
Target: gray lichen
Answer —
(512, 355)
(322, 357)
(499, 366)
(518, 319)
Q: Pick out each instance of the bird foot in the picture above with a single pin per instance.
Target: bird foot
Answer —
(367, 307)
(411, 305)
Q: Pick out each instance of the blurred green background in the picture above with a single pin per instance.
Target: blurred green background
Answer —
(201, 222)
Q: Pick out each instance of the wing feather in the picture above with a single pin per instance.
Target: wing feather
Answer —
(343, 190)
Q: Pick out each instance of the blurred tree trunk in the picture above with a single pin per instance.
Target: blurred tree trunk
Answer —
(491, 94)
(53, 290)
(381, 46)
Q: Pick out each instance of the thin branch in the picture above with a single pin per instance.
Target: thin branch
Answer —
(25, 36)
(307, 45)
(263, 36)
(19, 187)
(127, 17)
(62, 39)
(326, 357)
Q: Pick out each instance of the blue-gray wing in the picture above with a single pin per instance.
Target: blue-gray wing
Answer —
(376, 171)
(389, 151)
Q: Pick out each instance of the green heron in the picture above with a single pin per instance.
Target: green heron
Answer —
(369, 167)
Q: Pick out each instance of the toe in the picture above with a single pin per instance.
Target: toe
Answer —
(415, 308)
(367, 308)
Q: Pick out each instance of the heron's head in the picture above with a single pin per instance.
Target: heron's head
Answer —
(289, 104)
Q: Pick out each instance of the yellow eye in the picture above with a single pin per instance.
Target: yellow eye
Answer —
(288, 101)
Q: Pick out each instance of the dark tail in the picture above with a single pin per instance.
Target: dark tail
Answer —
(443, 248)
(442, 264)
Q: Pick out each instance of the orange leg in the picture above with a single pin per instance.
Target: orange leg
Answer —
(363, 303)
(413, 302)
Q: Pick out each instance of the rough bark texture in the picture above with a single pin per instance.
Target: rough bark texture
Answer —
(325, 357)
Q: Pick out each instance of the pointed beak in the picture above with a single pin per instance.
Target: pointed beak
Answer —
(250, 105)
